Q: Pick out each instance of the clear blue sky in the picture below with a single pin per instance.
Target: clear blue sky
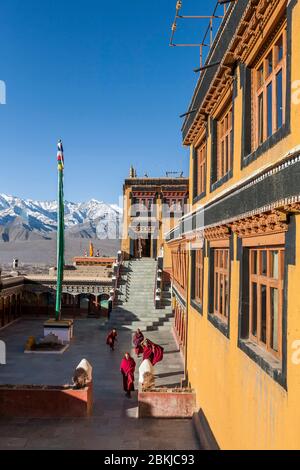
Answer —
(100, 75)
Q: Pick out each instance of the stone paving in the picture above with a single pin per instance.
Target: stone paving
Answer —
(114, 424)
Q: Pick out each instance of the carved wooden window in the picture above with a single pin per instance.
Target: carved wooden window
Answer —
(269, 90)
(201, 169)
(224, 157)
(266, 266)
(180, 324)
(199, 276)
(179, 267)
(221, 283)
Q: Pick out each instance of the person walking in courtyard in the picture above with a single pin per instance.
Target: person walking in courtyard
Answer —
(127, 369)
(152, 351)
(111, 338)
(138, 338)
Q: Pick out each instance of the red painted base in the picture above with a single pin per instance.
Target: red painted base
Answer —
(21, 401)
(166, 404)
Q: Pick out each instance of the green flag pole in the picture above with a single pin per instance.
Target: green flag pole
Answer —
(60, 231)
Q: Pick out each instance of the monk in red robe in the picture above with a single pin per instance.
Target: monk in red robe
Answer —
(111, 338)
(137, 342)
(153, 352)
(127, 369)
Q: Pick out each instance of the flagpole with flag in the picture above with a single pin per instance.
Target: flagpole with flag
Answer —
(60, 230)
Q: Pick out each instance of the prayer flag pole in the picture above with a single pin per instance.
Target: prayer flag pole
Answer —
(60, 230)
(63, 329)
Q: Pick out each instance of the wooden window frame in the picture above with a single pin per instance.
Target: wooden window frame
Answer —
(199, 271)
(221, 275)
(201, 162)
(260, 279)
(180, 325)
(224, 139)
(179, 267)
(262, 89)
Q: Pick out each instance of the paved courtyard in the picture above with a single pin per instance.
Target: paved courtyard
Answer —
(114, 424)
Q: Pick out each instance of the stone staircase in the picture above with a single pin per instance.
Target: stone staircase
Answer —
(138, 309)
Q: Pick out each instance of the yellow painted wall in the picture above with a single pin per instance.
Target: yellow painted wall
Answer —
(245, 407)
(125, 245)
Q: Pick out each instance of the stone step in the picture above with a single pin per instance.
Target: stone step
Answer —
(142, 313)
(142, 309)
(133, 329)
(146, 298)
(138, 309)
(134, 324)
(143, 286)
(146, 283)
(148, 272)
(142, 267)
(141, 292)
(146, 269)
(142, 327)
(144, 320)
(132, 309)
(138, 322)
(126, 312)
(149, 317)
(139, 306)
(142, 317)
(142, 295)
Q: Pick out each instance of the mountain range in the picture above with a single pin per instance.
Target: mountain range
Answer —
(27, 219)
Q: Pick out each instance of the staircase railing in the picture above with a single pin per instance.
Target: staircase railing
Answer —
(117, 267)
(158, 285)
(128, 281)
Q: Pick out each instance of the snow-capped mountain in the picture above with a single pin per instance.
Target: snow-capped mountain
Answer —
(23, 219)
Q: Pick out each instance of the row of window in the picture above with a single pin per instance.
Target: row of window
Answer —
(268, 79)
(148, 204)
(265, 291)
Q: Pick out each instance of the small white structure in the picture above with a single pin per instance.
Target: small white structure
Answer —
(83, 374)
(145, 367)
(63, 329)
(86, 366)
